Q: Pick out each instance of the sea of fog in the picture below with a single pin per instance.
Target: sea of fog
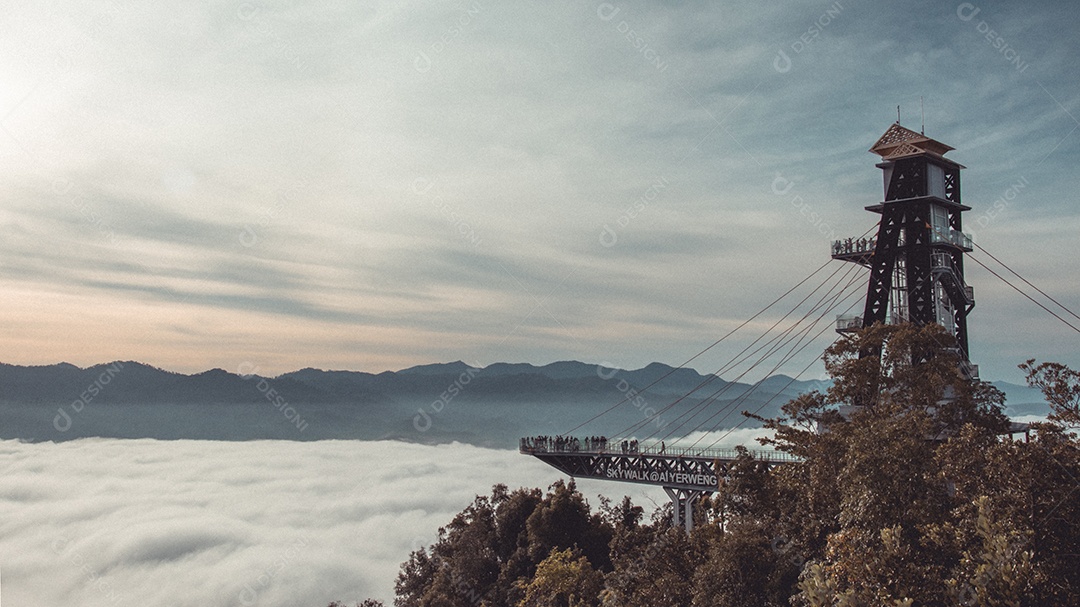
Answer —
(119, 522)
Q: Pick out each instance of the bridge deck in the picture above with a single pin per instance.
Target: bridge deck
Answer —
(674, 467)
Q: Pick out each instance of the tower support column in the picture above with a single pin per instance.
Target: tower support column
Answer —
(683, 502)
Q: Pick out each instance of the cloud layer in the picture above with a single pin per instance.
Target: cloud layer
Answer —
(102, 522)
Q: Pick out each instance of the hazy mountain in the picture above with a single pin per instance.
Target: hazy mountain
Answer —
(434, 403)
(1022, 400)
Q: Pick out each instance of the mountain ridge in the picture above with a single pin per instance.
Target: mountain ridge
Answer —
(432, 403)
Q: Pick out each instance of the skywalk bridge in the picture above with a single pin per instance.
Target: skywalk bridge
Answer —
(685, 474)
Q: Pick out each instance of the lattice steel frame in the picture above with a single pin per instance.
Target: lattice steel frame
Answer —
(676, 472)
(906, 213)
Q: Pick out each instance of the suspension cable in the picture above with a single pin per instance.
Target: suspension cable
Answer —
(773, 397)
(711, 346)
(714, 344)
(774, 344)
(1028, 283)
(786, 359)
(712, 377)
(1017, 289)
(801, 343)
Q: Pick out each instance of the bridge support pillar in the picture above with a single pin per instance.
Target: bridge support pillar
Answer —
(683, 502)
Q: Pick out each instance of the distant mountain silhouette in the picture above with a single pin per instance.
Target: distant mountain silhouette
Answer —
(432, 403)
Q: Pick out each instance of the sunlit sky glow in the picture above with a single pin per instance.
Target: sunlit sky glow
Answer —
(372, 186)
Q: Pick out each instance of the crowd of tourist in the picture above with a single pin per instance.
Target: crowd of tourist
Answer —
(854, 245)
(569, 443)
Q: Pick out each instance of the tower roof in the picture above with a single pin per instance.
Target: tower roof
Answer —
(899, 141)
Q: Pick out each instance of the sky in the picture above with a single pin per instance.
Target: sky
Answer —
(108, 522)
(371, 186)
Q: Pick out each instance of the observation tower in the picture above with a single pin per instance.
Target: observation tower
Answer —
(916, 263)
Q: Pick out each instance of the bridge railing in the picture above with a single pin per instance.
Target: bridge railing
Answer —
(564, 444)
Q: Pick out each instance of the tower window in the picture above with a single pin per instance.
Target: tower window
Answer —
(935, 176)
(939, 222)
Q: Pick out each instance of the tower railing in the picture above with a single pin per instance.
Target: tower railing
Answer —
(953, 237)
(846, 323)
(847, 247)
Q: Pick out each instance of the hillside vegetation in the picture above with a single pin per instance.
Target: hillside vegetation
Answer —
(914, 500)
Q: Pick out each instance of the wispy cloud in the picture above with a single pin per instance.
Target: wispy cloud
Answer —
(404, 172)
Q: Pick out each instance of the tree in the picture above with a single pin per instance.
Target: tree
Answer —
(656, 570)
(564, 579)
(462, 567)
(747, 490)
(512, 539)
(862, 504)
(490, 551)
(889, 491)
(998, 569)
(1061, 387)
(1023, 494)
(414, 579)
(563, 520)
(466, 555)
(915, 368)
(915, 495)
(740, 570)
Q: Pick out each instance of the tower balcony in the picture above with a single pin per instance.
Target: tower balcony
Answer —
(846, 323)
(859, 250)
(969, 370)
(956, 238)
